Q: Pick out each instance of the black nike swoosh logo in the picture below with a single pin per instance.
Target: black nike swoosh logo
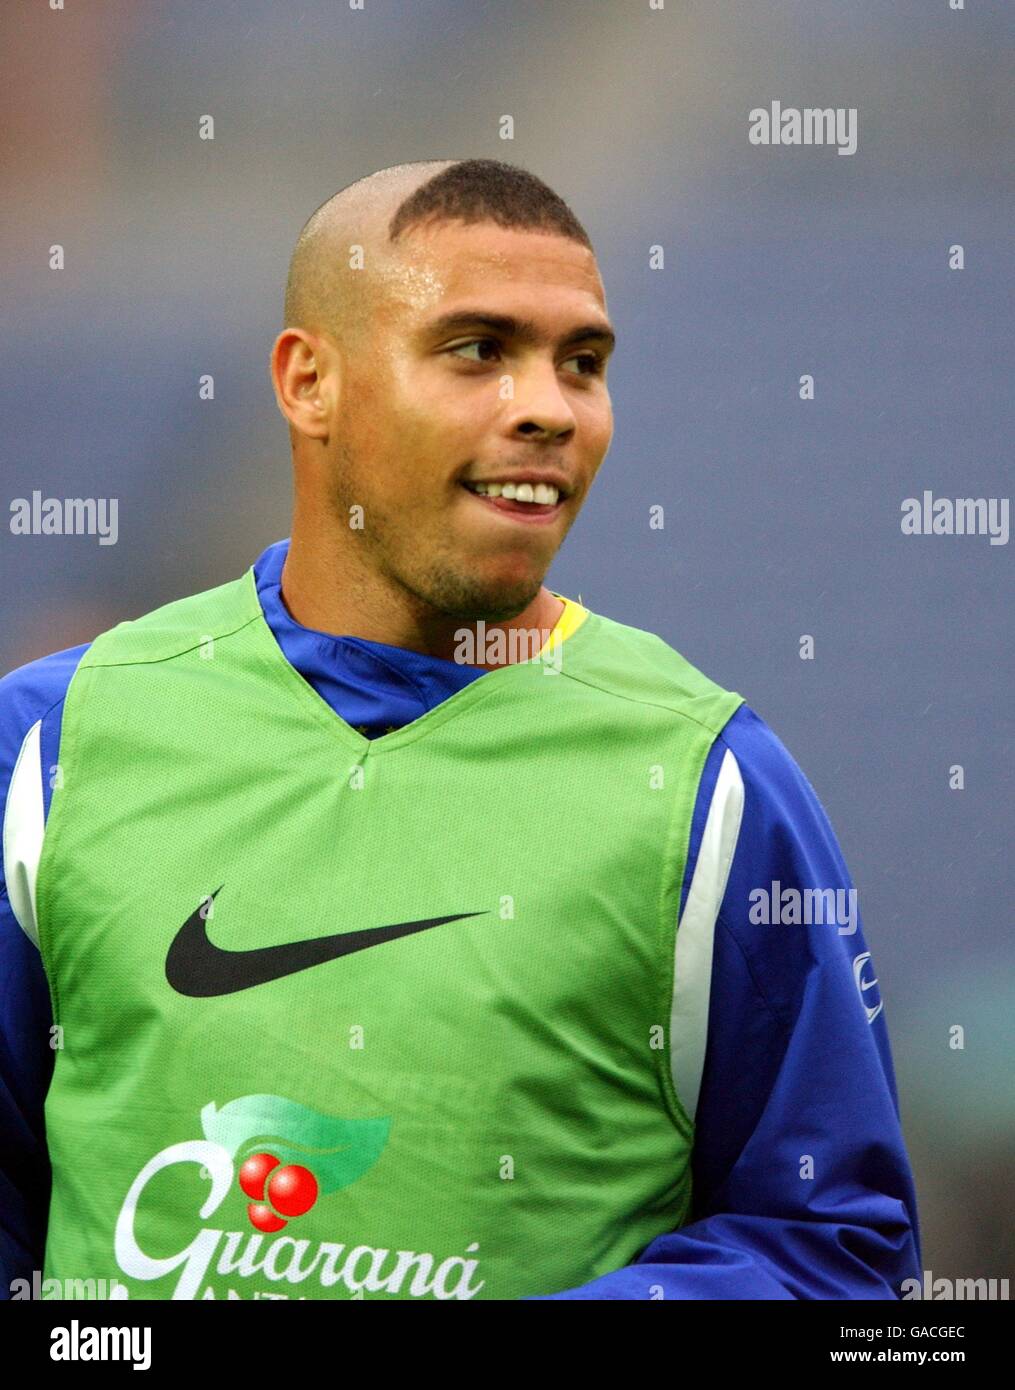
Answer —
(199, 969)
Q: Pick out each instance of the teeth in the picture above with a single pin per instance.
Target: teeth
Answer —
(544, 494)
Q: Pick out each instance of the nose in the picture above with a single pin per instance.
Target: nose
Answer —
(539, 410)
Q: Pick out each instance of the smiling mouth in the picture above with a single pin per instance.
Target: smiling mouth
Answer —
(492, 498)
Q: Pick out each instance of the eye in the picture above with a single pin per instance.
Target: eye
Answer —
(591, 363)
(478, 350)
(594, 363)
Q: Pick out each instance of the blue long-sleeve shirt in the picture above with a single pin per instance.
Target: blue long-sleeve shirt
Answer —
(801, 1185)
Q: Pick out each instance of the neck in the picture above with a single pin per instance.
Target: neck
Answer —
(326, 591)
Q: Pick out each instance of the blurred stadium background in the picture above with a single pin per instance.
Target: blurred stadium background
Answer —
(782, 518)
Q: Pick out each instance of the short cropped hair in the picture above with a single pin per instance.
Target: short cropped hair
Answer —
(485, 190)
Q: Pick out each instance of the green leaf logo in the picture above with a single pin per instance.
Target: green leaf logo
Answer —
(338, 1151)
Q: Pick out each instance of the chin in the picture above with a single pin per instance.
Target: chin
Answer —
(469, 598)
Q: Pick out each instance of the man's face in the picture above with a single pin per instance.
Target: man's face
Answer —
(484, 362)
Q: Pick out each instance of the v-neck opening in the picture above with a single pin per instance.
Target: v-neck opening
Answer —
(455, 703)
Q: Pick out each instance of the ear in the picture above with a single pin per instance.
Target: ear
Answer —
(305, 378)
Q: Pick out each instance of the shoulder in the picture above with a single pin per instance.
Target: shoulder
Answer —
(758, 827)
(640, 667)
(28, 694)
(180, 626)
(784, 824)
(777, 878)
(36, 691)
(750, 774)
(31, 704)
(773, 785)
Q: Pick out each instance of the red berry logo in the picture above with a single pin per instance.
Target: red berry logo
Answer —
(290, 1189)
(254, 1174)
(264, 1218)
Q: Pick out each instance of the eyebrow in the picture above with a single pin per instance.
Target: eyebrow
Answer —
(524, 330)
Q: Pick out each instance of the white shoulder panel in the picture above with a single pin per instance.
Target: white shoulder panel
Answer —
(692, 975)
(24, 824)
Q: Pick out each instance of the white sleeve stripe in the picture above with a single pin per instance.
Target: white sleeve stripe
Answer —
(24, 825)
(692, 972)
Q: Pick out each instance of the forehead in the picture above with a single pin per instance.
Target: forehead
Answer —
(439, 267)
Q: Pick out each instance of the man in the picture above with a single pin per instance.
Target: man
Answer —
(405, 928)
